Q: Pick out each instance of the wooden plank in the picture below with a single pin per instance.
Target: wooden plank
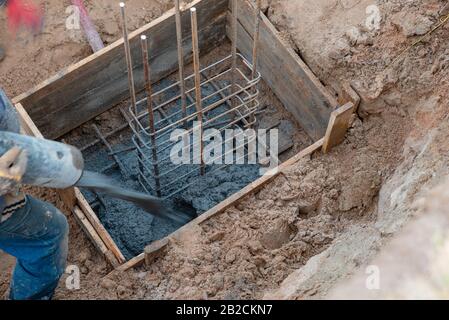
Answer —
(87, 227)
(98, 226)
(338, 126)
(222, 206)
(300, 91)
(134, 262)
(93, 236)
(92, 86)
(27, 125)
(155, 250)
(348, 94)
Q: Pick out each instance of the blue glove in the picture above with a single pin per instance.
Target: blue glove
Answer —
(13, 165)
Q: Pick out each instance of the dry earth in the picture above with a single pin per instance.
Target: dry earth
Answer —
(325, 217)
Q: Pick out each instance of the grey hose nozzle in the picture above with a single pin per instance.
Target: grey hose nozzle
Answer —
(49, 163)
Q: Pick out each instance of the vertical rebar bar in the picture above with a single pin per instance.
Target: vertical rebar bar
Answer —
(255, 47)
(180, 58)
(234, 49)
(129, 63)
(196, 65)
(147, 77)
(256, 37)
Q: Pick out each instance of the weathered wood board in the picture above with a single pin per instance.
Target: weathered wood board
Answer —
(300, 91)
(338, 126)
(97, 83)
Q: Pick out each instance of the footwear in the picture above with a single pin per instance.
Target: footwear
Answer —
(2, 54)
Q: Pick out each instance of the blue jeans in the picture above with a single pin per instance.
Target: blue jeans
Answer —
(37, 235)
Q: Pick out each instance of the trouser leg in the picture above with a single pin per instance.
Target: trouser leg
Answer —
(37, 235)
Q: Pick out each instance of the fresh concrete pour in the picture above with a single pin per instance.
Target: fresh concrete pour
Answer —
(133, 228)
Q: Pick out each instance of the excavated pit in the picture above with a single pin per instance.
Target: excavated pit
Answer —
(131, 227)
(348, 178)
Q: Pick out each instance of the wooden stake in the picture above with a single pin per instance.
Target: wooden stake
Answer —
(196, 64)
(339, 123)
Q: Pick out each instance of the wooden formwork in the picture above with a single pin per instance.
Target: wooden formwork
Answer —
(96, 84)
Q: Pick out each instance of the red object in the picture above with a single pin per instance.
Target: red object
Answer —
(23, 13)
(89, 28)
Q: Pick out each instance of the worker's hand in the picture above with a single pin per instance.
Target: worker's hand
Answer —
(12, 168)
(23, 13)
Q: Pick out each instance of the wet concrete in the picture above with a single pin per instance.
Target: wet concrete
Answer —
(131, 227)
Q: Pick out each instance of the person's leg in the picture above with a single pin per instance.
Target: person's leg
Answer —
(37, 235)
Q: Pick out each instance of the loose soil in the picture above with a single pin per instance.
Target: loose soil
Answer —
(326, 216)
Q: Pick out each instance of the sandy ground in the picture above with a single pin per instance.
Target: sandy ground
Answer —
(341, 208)
(415, 264)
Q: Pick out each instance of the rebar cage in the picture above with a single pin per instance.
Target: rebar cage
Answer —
(223, 106)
